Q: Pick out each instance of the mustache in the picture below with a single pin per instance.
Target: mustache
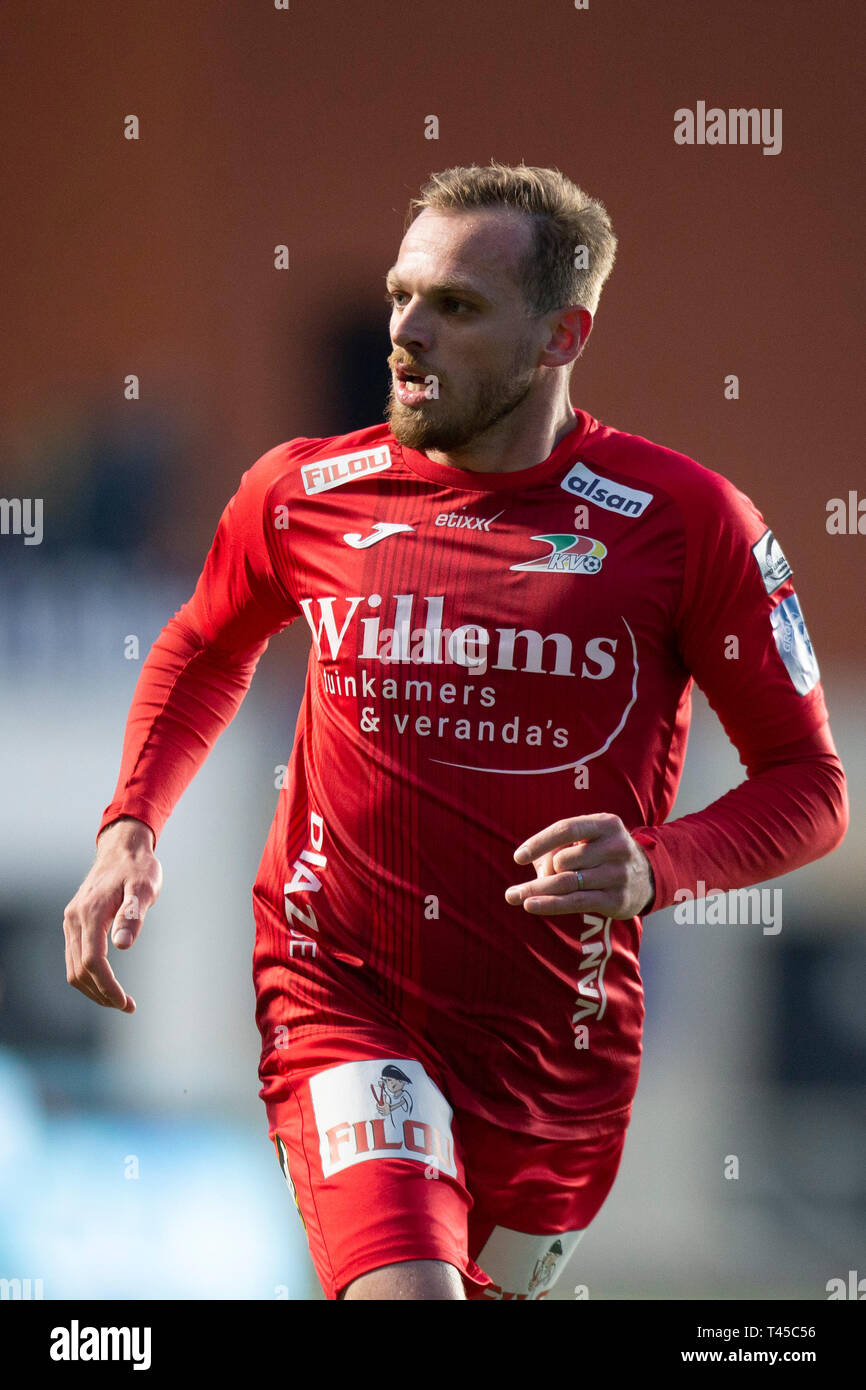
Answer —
(412, 367)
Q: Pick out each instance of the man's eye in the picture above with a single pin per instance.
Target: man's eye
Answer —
(394, 298)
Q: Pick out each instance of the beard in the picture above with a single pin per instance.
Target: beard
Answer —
(445, 427)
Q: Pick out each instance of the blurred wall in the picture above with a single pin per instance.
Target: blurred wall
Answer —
(306, 127)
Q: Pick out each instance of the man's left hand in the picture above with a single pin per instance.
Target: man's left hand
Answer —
(616, 878)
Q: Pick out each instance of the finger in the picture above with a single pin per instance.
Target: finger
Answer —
(544, 866)
(128, 920)
(550, 905)
(556, 886)
(585, 855)
(564, 832)
(94, 960)
(105, 981)
(76, 975)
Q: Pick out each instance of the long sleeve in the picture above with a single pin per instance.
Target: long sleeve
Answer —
(201, 665)
(742, 637)
(792, 809)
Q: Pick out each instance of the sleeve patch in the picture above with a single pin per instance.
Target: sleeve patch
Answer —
(770, 559)
(793, 644)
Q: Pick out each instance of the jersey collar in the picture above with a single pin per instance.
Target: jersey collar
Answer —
(518, 480)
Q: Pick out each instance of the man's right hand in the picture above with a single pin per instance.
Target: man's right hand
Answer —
(125, 879)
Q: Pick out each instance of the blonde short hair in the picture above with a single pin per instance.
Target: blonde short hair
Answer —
(564, 218)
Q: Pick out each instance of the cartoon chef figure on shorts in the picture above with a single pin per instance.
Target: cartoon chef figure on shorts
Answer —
(543, 1271)
(392, 1092)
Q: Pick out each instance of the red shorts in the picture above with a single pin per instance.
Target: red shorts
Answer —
(383, 1169)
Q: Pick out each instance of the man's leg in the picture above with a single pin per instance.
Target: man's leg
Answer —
(377, 1175)
(534, 1198)
(415, 1279)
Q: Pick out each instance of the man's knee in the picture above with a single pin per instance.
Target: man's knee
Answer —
(415, 1279)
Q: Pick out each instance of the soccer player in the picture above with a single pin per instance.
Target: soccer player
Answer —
(509, 601)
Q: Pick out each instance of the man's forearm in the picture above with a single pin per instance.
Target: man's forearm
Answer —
(793, 809)
(186, 695)
(128, 829)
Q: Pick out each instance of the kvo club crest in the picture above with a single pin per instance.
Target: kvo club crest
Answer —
(382, 1108)
(543, 1269)
(568, 554)
(572, 554)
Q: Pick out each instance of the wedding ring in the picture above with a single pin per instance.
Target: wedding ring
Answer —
(579, 879)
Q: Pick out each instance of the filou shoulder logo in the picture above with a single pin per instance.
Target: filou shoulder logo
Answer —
(569, 554)
(323, 474)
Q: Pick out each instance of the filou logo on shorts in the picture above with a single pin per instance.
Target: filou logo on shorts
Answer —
(383, 1108)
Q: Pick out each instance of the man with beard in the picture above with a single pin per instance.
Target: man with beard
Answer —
(509, 602)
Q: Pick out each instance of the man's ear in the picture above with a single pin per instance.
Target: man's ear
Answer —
(569, 332)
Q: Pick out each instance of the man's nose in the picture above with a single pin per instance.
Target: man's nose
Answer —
(413, 326)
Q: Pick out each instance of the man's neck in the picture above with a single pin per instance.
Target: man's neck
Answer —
(499, 452)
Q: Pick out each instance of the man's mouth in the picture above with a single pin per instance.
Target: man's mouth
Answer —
(410, 387)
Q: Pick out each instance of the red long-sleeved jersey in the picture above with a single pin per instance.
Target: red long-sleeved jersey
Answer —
(491, 652)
